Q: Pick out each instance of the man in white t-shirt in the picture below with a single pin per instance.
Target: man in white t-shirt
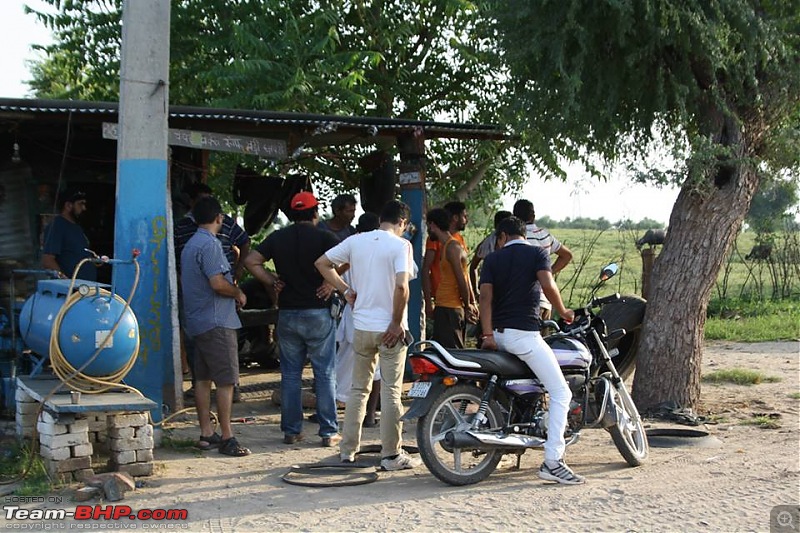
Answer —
(485, 247)
(543, 239)
(381, 265)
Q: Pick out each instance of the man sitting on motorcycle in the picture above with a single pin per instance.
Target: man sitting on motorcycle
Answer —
(509, 312)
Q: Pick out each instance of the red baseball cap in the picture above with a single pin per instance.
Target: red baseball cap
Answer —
(303, 200)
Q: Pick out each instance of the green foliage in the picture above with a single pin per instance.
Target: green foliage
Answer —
(770, 207)
(738, 376)
(603, 76)
(753, 321)
(766, 421)
(428, 60)
(14, 458)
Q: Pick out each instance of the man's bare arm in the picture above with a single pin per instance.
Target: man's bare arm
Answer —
(563, 257)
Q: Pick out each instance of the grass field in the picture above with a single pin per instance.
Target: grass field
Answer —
(742, 307)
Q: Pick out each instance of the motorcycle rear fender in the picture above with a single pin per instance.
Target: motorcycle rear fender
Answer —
(420, 406)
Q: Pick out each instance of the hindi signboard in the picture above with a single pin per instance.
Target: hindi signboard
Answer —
(223, 142)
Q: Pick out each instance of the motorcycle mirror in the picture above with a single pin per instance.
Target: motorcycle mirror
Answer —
(609, 271)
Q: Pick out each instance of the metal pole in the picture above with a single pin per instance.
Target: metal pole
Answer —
(143, 209)
(412, 192)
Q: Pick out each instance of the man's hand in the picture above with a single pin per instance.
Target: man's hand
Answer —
(325, 290)
(471, 313)
(429, 309)
(241, 299)
(350, 296)
(394, 334)
(489, 343)
(278, 286)
(568, 316)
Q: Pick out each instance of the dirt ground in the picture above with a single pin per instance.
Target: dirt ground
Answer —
(730, 483)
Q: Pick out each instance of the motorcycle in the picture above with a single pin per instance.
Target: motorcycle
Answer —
(474, 406)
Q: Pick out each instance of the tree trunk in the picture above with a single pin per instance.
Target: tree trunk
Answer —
(475, 178)
(703, 226)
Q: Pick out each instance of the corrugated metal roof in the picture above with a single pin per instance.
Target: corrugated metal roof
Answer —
(332, 122)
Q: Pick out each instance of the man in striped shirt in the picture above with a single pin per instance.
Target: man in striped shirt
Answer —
(542, 238)
(235, 245)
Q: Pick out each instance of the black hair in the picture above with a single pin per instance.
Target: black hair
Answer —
(524, 209)
(196, 189)
(341, 201)
(70, 195)
(206, 209)
(303, 215)
(455, 208)
(368, 222)
(440, 217)
(500, 216)
(511, 226)
(394, 211)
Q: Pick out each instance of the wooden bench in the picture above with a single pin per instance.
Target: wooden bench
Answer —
(69, 433)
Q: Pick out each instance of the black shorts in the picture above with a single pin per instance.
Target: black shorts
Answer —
(216, 356)
(449, 326)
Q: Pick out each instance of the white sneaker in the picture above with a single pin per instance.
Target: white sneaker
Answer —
(560, 473)
(402, 461)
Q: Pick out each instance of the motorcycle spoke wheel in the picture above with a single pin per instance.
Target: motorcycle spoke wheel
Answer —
(628, 433)
(454, 410)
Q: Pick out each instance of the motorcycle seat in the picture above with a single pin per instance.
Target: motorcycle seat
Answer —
(501, 363)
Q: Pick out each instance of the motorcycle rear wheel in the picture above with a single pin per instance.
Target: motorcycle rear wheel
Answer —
(455, 409)
(628, 433)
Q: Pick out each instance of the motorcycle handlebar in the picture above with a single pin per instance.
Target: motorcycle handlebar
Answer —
(598, 302)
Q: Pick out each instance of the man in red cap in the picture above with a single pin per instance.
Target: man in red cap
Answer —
(306, 328)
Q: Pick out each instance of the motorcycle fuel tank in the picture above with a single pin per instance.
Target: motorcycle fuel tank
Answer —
(570, 352)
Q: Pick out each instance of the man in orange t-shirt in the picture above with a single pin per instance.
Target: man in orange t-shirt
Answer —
(431, 272)
(455, 301)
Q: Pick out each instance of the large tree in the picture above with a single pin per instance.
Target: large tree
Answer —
(421, 59)
(717, 77)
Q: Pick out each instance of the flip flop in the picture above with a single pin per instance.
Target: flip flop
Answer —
(208, 443)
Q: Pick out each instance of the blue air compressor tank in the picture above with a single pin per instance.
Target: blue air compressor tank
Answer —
(83, 328)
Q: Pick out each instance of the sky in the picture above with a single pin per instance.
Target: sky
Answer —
(580, 196)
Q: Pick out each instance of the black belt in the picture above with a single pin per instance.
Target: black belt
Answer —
(499, 330)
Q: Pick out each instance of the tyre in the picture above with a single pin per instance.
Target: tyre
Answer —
(628, 433)
(626, 313)
(455, 409)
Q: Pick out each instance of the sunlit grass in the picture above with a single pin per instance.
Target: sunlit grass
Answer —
(738, 376)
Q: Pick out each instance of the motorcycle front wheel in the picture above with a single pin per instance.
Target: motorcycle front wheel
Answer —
(454, 410)
(628, 433)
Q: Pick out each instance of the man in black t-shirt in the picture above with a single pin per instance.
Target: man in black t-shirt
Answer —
(509, 308)
(305, 326)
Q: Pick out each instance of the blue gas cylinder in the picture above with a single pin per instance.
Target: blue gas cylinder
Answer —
(84, 327)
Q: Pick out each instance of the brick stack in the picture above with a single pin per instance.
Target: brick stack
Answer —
(98, 431)
(64, 446)
(130, 443)
(26, 411)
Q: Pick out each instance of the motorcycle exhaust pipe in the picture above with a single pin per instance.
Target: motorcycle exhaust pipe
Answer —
(486, 441)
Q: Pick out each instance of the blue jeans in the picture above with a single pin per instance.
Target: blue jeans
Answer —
(301, 333)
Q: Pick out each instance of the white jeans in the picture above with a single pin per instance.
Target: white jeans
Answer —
(534, 352)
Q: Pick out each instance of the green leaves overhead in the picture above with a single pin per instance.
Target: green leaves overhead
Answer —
(598, 74)
(424, 59)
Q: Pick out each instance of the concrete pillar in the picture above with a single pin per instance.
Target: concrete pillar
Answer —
(412, 192)
(143, 209)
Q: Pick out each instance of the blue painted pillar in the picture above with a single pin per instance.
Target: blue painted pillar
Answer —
(143, 211)
(412, 192)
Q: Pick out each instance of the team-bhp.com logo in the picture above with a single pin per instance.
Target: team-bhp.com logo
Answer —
(90, 513)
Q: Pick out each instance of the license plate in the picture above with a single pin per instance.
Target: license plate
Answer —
(419, 389)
